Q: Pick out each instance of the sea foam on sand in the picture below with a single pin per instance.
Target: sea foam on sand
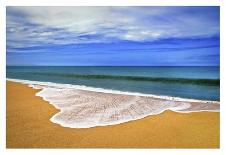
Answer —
(85, 107)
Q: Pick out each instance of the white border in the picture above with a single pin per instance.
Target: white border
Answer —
(111, 2)
(4, 3)
(2, 75)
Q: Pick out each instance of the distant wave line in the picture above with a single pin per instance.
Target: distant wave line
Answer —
(211, 82)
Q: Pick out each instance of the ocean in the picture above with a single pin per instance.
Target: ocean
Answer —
(201, 83)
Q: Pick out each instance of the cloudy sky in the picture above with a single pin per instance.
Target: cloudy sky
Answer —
(113, 36)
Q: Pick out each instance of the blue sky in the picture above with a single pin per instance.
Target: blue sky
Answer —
(113, 36)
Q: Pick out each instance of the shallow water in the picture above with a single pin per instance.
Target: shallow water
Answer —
(85, 107)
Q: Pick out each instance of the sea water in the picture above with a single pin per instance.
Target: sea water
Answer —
(201, 83)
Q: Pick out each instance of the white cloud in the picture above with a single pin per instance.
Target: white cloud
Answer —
(66, 25)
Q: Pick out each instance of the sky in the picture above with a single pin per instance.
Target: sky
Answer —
(113, 36)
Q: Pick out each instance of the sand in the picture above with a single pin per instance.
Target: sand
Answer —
(28, 126)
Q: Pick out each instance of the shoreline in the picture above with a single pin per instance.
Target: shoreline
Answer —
(28, 126)
(86, 108)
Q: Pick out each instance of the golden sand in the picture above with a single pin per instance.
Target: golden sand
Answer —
(28, 126)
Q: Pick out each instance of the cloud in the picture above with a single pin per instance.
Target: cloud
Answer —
(36, 26)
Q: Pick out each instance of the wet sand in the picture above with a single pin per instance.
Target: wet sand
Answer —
(28, 126)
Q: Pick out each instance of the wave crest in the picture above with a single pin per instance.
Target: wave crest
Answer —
(197, 81)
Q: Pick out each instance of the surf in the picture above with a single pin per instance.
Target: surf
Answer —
(85, 107)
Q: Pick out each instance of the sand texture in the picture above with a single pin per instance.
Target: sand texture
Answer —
(29, 126)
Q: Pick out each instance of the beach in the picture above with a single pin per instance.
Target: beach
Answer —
(29, 126)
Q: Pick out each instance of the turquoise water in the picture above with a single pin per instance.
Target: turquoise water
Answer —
(186, 82)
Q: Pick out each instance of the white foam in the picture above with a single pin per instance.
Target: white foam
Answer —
(84, 107)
